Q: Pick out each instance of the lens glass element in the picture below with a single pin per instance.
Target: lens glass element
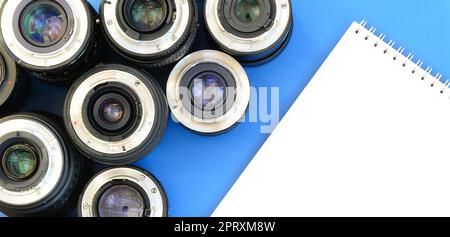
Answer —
(19, 161)
(121, 201)
(43, 24)
(208, 90)
(147, 15)
(112, 111)
(247, 11)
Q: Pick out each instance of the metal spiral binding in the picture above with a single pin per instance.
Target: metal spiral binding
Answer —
(416, 66)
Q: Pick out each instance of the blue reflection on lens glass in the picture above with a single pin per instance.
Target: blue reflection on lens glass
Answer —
(208, 90)
(43, 24)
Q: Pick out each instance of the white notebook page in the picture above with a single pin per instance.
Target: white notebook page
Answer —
(367, 137)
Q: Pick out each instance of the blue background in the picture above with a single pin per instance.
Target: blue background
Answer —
(197, 171)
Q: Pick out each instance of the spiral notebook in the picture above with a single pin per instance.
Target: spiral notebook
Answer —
(369, 136)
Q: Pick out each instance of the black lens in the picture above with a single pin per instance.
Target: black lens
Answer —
(236, 24)
(14, 84)
(112, 111)
(19, 161)
(123, 110)
(39, 171)
(208, 91)
(247, 10)
(121, 201)
(148, 15)
(56, 40)
(43, 23)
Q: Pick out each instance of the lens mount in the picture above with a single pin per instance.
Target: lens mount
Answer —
(255, 41)
(165, 42)
(144, 119)
(55, 48)
(205, 120)
(140, 181)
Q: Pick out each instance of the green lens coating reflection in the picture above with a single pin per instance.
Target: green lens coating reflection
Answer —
(247, 11)
(147, 14)
(43, 24)
(19, 161)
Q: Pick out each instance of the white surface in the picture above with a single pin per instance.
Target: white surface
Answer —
(367, 137)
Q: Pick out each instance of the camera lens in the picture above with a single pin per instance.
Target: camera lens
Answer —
(253, 31)
(14, 84)
(208, 92)
(123, 192)
(40, 172)
(153, 33)
(52, 38)
(116, 114)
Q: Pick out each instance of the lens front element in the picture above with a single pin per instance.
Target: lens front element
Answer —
(208, 91)
(19, 162)
(247, 10)
(112, 111)
(121, 201)
(148, 15)
(43, 24)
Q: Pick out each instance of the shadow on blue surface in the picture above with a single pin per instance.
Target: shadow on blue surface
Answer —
(197, 171)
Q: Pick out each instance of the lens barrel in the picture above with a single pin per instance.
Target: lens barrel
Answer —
(123, 192)
(40, 171)
(54, 39)
(116, 114)
(208, 92)
(253, 31)
(14, 83)
(152, 33)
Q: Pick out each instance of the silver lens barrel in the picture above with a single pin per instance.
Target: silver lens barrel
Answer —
(234, 92)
